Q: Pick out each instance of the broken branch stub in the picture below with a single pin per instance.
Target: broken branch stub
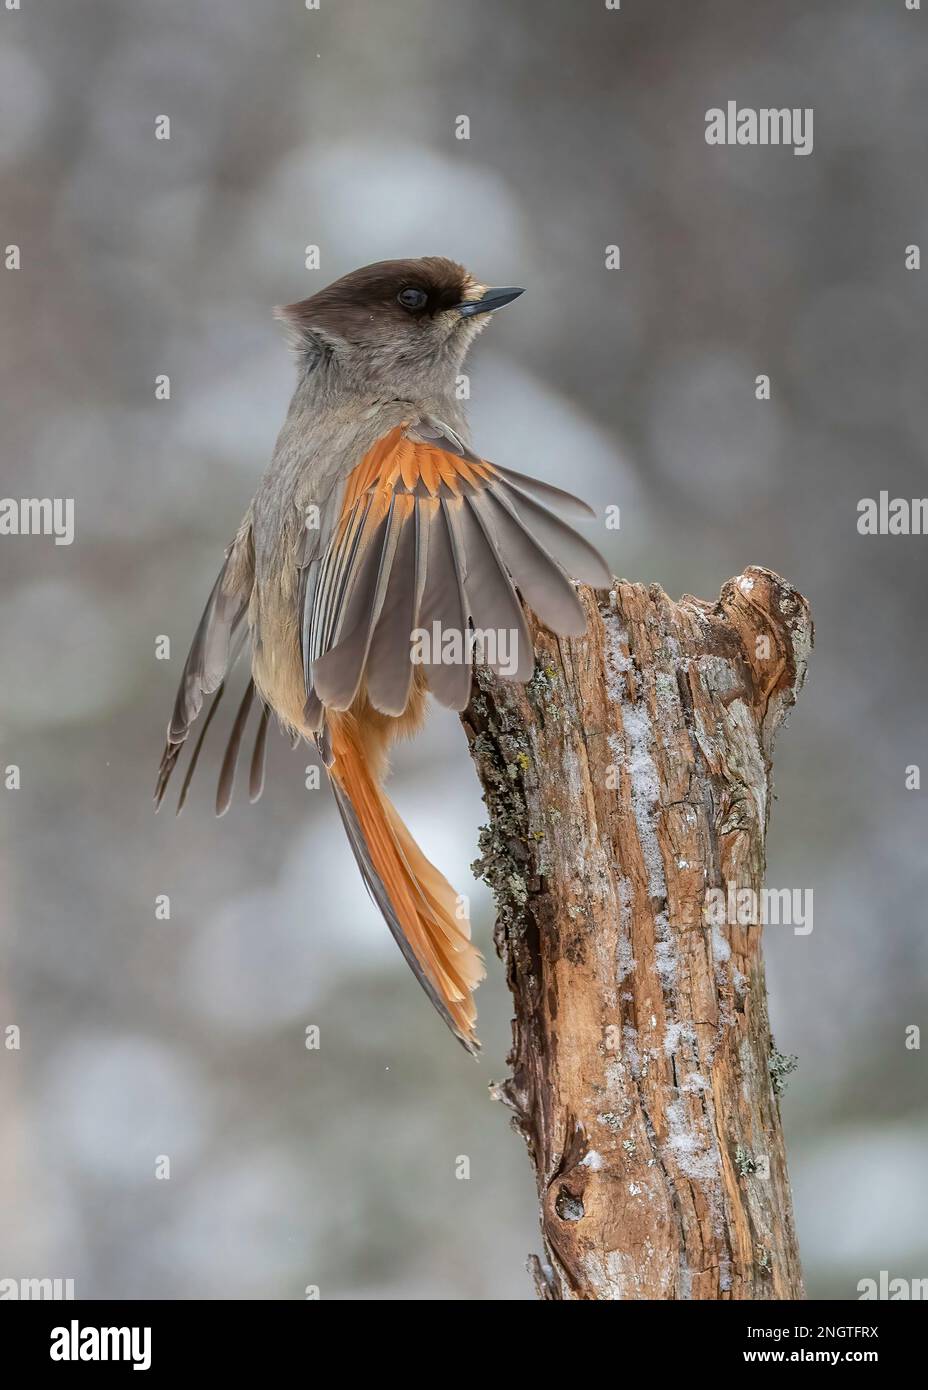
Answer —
(628, 778)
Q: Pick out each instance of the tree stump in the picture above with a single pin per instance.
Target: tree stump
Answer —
(627, 778)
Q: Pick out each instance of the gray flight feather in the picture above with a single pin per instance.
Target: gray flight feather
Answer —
(541, 580)
(230, 761)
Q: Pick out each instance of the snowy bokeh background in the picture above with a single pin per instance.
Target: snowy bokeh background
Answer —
(336, 128)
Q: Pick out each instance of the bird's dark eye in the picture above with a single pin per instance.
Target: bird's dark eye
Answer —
(412, 298)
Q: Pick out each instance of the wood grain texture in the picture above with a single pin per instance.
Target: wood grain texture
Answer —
(632, 774)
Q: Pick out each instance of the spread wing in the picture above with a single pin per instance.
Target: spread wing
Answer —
(217, 643)
(434, 541)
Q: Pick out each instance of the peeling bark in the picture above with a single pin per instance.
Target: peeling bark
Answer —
(630, 776)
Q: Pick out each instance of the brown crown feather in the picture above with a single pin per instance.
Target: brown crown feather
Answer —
(352, 300)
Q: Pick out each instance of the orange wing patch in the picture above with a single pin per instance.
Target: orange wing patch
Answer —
(432, 539)
(397, 459)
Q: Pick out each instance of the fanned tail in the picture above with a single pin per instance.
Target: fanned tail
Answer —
(419, 905)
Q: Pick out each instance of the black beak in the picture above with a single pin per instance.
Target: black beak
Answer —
(491, 299)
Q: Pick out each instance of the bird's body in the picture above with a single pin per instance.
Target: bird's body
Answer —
(376, 521)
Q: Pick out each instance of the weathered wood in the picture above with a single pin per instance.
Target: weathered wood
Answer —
(629, 776)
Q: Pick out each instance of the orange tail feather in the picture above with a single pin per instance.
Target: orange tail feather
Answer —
(420, 906)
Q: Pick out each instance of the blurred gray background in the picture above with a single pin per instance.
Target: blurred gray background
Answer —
(336, 128)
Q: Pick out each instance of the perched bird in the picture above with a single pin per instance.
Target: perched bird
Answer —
(378, 550)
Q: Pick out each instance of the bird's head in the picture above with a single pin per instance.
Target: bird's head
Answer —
(400, 326)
